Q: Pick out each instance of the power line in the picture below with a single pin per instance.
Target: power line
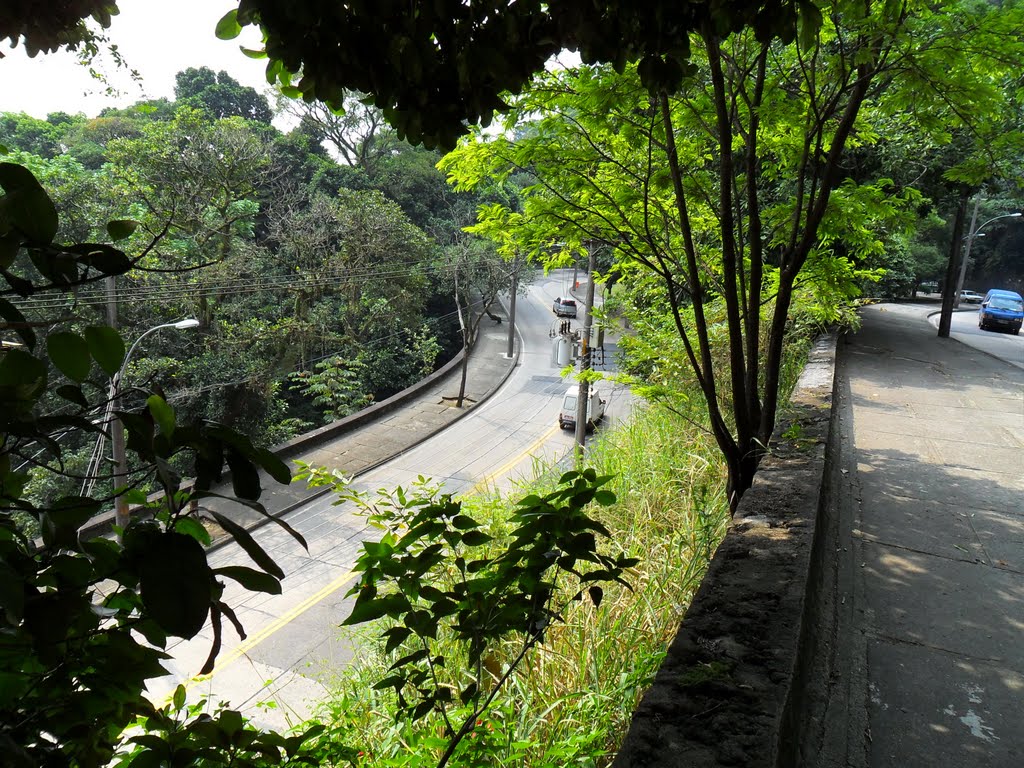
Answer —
(239, 286)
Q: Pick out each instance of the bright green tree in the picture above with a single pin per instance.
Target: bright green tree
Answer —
(732, 190)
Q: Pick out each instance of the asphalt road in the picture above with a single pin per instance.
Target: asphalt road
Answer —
(294, 642)
(1001, 344)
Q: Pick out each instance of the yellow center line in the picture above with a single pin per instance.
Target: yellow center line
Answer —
(290, 615)
(482, 484)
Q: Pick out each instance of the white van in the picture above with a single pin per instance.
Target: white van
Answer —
(595, 408)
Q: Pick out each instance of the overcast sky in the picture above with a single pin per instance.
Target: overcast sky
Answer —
(159, 38)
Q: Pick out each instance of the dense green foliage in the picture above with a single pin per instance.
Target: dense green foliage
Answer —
(570, 699)
(450, 63)
(728, 203)
(85, 621)
(290, 261)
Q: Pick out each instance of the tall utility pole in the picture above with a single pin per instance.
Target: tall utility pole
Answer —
(512, 307)
(121, 517)
(584, 392)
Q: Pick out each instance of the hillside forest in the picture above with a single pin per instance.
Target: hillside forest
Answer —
(320, 263)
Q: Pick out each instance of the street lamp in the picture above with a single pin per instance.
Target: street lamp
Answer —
(976, 232)
(121, 516)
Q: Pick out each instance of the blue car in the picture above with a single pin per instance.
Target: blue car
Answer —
(1001, 309)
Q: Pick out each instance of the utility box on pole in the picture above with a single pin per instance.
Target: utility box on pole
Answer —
(560, 352)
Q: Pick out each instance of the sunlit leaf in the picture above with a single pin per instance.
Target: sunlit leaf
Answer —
(228, 27)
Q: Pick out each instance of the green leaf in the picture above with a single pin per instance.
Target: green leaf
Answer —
(245, 479)
(464, 522)
(162, 414)
(810, 20)
(251, 579)
(191, 527)
(469, 693)
(26, 206)
(476, 538)
(24, 374)
(273, 466)
(393, 681)
(252, 53)
(101, 256)
(228, 27)
(175, 583)
(604, 498)
(10, 244)
(12, 314)
(70, 353)
(119, 229)
(72, 394)
(395, 637)
(248, 543)
(389, 605)
(106, 347)
(179, 697)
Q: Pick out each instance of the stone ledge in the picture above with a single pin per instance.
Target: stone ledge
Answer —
(727, 693)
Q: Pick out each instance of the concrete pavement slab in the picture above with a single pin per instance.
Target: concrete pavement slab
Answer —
(966, 608)
(1001, 534)
(933, 640)
(925, 526)
(885, 473)
(930, 708)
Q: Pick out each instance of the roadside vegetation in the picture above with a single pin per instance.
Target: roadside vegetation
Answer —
(569, 700)
(320, 285)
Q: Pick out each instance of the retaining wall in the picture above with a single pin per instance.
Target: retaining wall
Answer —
(736, 683)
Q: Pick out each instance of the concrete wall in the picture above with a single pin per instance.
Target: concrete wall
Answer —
(101, 524)
(735, 684)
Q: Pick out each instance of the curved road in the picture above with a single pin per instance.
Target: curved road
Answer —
(294, 637)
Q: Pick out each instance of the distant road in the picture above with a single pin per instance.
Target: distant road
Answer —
(1001, 344)
(294, 638)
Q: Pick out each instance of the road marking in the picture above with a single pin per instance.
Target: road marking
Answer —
(255, 639)
(483, 483)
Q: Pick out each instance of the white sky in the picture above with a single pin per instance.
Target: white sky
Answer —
(158, 38)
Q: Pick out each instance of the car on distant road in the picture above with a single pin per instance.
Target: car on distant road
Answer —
(1001, 309)
(564, 307)
(595, 408)
(970, 297)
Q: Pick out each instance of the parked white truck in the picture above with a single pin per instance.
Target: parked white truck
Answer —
(595, 408)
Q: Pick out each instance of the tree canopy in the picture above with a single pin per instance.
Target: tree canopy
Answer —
(449, 65)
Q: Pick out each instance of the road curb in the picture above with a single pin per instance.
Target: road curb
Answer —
(513, 363)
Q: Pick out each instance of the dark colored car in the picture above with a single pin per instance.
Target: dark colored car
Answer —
(1001, 309)
(564, 307)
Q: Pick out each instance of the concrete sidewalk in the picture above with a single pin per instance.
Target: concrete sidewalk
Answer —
(931, 627)
(425, 413)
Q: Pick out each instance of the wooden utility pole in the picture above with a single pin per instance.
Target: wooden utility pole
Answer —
(120, 476)
(582, 414)
(516, 266)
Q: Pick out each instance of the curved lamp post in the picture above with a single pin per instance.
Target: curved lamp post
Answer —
(976, 232)
(121, 516)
